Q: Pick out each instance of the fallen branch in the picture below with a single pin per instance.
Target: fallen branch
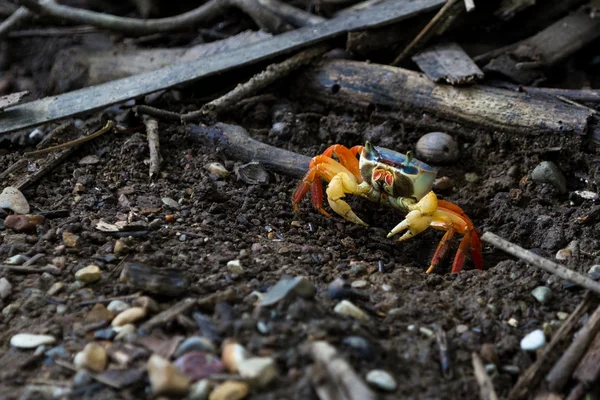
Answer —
(14, 21)
(541, 262)
(19, 269)
(235, 142)
(366, 85)
(100, 96)
(153, 145)
(588, 370)
(560, 374)
(109, 125)
(534, 374)
(486, 387)
(274, 72)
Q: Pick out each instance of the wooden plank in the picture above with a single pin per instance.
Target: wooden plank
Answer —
(96, 97)
(448, 62)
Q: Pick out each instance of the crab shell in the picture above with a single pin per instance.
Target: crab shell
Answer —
(394, 173)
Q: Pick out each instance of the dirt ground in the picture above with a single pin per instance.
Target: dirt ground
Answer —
(226, 219)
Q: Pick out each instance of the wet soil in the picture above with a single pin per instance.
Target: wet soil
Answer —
(223, 219)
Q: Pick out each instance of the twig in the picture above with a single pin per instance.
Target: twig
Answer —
(135, 26)
(157, 113)
(14, 21)
(32, 260)
(273, 72)
(486, 387)
(446, 13)
(533, 375)
(169, 314)
(558, 377)
(153, 144)
(445, 361)
(109, 125)
(30, 270)
(108, 300)
(57, 32)
(540, 262)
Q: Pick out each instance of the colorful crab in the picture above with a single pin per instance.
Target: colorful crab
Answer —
(400, 181)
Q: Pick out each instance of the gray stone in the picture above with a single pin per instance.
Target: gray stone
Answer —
(11, 198)
(169, 202)
(5, 288)
(195, 343)
(542, 294)
(382, 380)
(548, 172)
(16, 259)
(200, 390)
(347, 309)
(288, 286)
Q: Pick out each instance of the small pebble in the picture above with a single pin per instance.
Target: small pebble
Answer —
(471, 177)
(426, 331)
(70, 239)
(235, 267)
(217, 169)
(252, 173)
(105, 334)
(5, 288)
(230, 390)
(263, 328)
(195, 343)
(198, 365)
(359, 346)
(166, 379)
(117, 306)
(129, 316)
(286, 287)
(147, 303)
(561, 315)
(92, 357)
(513, 322)
(542, 294)
(594, 272)
(460, 329)
(55, 288)
(89, 160)
(437, 147)
(360, 284)
(123, 331)
(548, 172)
(99, 313)
(200, 390)
(443, 183)
(232, 355)
(169, 202)
(58, 352)
(30, 341)
(89, 274)
(347, 309)
(564, 254)
(533, 341)
(23, 223)
(488, 353)
(82, 378)
(260, 371)
(382, 380)
(11, 198)
(17, 259)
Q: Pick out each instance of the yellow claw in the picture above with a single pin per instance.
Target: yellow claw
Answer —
(418, 219)
(338, 187)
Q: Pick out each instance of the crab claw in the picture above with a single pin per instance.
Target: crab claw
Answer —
(418, 219)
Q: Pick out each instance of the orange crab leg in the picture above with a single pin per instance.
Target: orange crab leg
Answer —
(347, 158)
(441, 249)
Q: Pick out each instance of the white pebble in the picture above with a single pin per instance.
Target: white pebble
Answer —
(259, 371)
(30, 341)
(89, 274)
(117, 306)
(534, 340)
(348, 309)
(5, 288)
(12, 199)
(382, 380)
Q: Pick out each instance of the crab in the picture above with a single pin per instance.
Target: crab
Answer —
(394, 179)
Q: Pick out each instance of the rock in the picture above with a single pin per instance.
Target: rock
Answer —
(488, 353)
(169, 202)
(594, 272)
(230, 390)
(147, 303)
(340, 289)
(105, 334)
(260, 371)
(437, 147)
(129, 316)
(12, 199)
(443, 183)
(89, 160)
(23, 223)
(159, 281)
(359, 346)
(347, 309)
(382, 380)
(99, 313)
(471, 177)
(252, 173)
(82, 378)
(533, 341)
(360, 284)
(5, 288)
(542, 294)
(17, 259)
(30, 340)
(89, 274)
(195, 343)
(426, 331)
(548, 172)
(92, 357)
(165, 379)
(70, 239)
(513, 322)
(287, 287)
(120, 247)
(117, 306)
(123, 331)
(197, 365)
(561, 315)
(200, 390)
(563, 254)
(58, 352)
(217, 169)
(232, 355)
(235, 267)
(460, 329)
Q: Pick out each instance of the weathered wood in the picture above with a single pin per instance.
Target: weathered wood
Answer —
(448, 62)
(588, 370)
(486, 387)
(100, 96)
(363, 84)
(78, 67)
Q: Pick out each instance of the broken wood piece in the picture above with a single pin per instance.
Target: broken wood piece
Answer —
(366, 85)
(560, 374)
(549, 353)
(15, 20)
(79, 67)
(169, 314)
(550, 46)
(153, 145)
(588, 370)
(441, 21)
(541, 262)
(235, 142)
(486, 387)
(335, 379)
(448, 62)
(11, 99)
(274, 72)
(103, 95)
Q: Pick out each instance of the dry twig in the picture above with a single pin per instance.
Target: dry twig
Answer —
(486, 387)
(14, 21)
(109, 125)
(153, 144)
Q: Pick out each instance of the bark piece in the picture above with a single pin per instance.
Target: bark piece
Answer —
(448, 62)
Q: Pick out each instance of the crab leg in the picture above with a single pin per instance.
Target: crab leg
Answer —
(338, 187)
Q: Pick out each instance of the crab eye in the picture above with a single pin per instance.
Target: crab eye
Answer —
(410, 170)
(389, 179)
(377, 175)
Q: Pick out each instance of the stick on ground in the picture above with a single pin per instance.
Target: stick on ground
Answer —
(153, 145)
(541, 262)
(486, 387)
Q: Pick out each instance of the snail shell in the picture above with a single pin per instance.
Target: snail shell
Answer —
(437, 147)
